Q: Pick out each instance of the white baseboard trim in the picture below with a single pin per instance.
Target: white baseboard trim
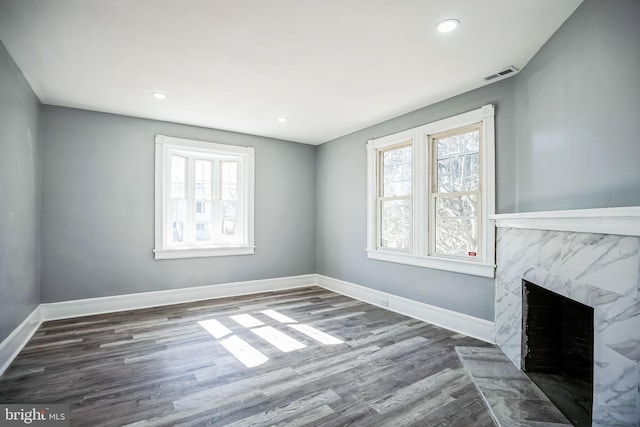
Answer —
(468, 325)
(101, 305)
(457, 322)
(11, 345)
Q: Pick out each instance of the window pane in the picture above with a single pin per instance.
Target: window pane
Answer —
(472, 172)
(203, 232)
(229, 215)
(444, 167)
(202, 179)
(202, 219)
(457, 225)
(396, 172)
(395, 222)
(456, 173)
(472, 141)
(449, 146)
(229, 180)
(457, 206)
(178, 176)
(457, 237)
(178, 209)
(458, 162)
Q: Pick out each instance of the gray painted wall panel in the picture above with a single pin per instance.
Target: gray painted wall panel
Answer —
(578, 113)
(19, 197)
(98, 209)
(567, 137)
(342, 214)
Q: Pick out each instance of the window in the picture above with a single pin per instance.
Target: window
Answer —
(456, 194)
(431, 193)
(203, 198)
(394, 203)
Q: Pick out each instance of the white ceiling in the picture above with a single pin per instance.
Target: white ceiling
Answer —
(331, 66)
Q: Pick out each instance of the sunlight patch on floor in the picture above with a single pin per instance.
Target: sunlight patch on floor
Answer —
(278, 316)
(316, 334)
(249, 355)
(243, 351)
(279, 340)
(247, 320)
(215, 328)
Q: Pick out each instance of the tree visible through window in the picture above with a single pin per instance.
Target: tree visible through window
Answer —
(395, 198)
(456, 192)
(431, 195)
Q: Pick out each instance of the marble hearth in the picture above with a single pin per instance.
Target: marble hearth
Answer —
(598, 270)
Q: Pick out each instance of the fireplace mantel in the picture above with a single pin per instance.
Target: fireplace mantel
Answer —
(623, 221)
(593, 257)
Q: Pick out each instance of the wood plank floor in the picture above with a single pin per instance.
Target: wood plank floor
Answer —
(161, 367)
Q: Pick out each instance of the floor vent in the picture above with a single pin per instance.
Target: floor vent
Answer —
(507, 72)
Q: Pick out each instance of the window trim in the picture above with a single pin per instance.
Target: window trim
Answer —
(422, 195)
(163, 146)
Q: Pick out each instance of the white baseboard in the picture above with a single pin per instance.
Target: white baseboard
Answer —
(468, 325)
(462, 323)
(101, 305)
(11, 345)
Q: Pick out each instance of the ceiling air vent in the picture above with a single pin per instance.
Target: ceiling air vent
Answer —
(507, 72)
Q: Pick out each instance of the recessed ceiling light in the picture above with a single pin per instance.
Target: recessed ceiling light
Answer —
(282, 119)
(448, 25)
(158, 95)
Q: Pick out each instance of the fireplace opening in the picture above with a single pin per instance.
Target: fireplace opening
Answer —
(557, 350)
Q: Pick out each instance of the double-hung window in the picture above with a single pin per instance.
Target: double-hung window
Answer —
(394, 203)
(431, 194)
(203, 199)
(455, 195)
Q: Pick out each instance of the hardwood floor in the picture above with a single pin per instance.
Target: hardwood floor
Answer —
(160, 366)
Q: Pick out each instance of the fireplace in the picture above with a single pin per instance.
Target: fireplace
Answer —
(557, 350)
(601, 271)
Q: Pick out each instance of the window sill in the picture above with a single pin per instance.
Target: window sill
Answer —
(174, 253)
(454, 265)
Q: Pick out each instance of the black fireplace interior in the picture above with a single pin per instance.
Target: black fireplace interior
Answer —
(557, 349)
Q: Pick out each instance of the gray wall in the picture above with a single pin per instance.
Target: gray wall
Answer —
(578, 114)
(342, 212)
(567, 137)
(19, 197)
(97, 208)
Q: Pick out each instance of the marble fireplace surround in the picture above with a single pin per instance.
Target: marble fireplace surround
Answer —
(593, 257)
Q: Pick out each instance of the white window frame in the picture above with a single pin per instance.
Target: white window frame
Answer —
(399, 142)
(166, 146)
(422, 177)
